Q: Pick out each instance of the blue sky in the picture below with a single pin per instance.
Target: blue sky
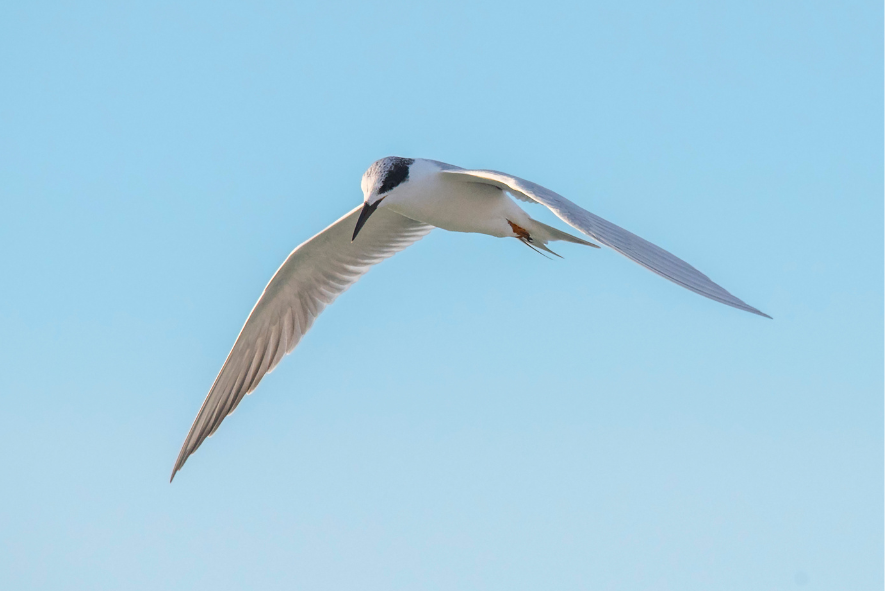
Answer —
(469, 415)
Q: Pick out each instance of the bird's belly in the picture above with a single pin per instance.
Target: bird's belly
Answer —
(460, 207)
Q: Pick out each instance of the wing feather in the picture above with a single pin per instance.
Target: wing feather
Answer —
(637, 249)
(313, 275)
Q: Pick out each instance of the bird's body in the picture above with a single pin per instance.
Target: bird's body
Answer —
(406, 198)
(443, 202)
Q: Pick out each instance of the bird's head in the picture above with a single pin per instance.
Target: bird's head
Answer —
(382, 177)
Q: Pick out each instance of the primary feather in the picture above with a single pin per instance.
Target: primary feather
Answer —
(313, 275)
(641, 251)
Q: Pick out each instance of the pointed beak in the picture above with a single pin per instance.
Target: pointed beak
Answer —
(368, 210)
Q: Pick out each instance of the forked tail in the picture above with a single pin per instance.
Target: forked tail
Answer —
(537, 235)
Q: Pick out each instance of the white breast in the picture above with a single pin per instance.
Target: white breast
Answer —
(441, 201)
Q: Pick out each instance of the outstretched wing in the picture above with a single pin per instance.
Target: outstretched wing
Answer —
(312, 277)
(632, 246)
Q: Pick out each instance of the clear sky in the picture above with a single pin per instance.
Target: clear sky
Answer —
(469, 415)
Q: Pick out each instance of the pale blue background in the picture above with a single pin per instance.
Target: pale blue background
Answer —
(470, 415)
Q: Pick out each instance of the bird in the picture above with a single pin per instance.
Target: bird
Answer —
(403, 200)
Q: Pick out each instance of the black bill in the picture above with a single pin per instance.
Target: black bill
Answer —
(368, 210)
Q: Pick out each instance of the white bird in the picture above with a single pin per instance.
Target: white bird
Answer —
(406, 198)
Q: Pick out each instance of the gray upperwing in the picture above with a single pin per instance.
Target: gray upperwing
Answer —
(637, 249)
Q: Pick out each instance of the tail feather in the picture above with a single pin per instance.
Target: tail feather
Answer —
(543, 233)
(539, 247)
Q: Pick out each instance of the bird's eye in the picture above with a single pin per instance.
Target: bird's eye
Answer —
(397, 172)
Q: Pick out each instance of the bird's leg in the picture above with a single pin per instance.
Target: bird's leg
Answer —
(522, 234)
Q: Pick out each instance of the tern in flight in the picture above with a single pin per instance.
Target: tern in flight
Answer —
(403, 200)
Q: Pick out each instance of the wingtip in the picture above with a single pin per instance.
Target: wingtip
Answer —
(179, 462)
(753, 310)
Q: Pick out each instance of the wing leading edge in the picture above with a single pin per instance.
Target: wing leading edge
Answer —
(637, 249)
(313, 275)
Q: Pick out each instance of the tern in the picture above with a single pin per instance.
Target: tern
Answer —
(403, 200)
